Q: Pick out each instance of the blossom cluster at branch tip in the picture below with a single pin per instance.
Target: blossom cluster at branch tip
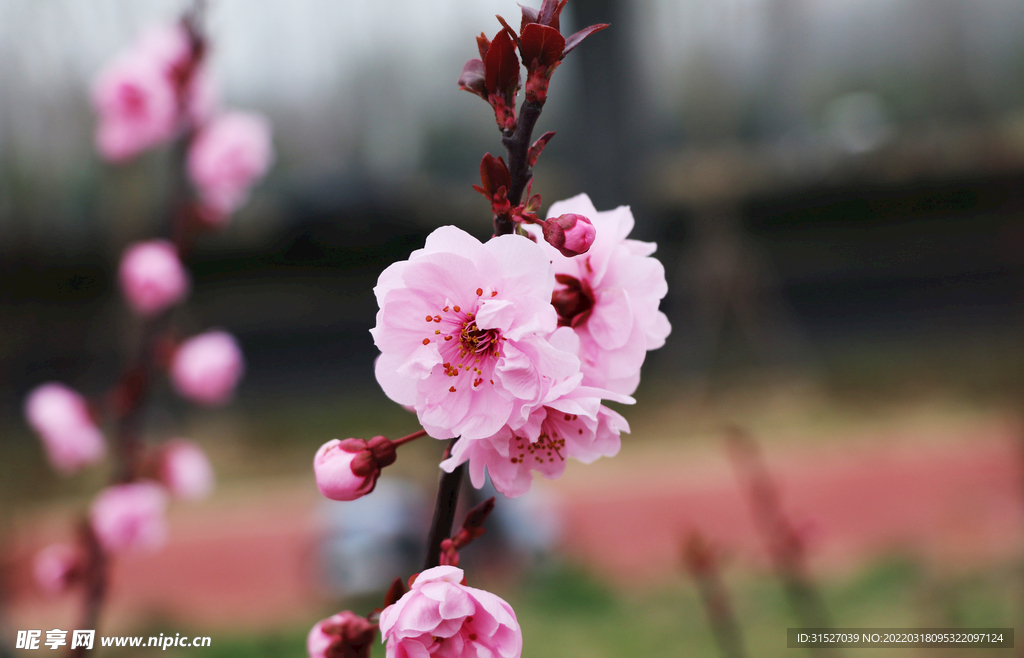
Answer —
(347, 470)
(206, 368)
(61, 418)
(152, 277)
(466, 341)
(441, 616)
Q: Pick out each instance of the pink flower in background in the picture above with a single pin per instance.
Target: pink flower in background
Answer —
(56, 567)
(226, 159)
(185, 470)
(141, 96)
(152, 277)
(137, 107)
(462, 329)
(344, 635)
(610, 296)
(439, 616)
(130, 516)
(206, 368)
(568, 422)
(61, 418)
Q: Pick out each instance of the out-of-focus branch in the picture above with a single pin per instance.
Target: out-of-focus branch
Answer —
(702, 564)
(785, 546)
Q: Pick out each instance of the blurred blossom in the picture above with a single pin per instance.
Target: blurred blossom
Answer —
(152, 277)
(227, 157)
(55, 567)
(185, 470)
(206, 368)
(137, 96)
(61, 418)
(130, 516)
(344, 635)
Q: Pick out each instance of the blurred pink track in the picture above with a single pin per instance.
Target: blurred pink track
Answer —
(241, 560)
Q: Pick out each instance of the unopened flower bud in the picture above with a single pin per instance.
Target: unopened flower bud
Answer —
(56, 567)
(185, 470)
(344, 635)
(61, 418)
(347, 470)
(570, 234)
(130, 516)
(152, 277)
(206, 368)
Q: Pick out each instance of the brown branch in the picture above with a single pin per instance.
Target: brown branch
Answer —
(517, 142)
(703, 567)
(444, 510)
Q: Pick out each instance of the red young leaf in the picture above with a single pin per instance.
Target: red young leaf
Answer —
(494, 175)
(542, 43)
(511, 32)
(550, 10)
(575, 39)
(538, 146)
(482, 44)
(472, 78)
(501, 66)
(530, 15)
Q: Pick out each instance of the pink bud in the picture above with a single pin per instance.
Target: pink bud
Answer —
(61, 418)
(570, 234)
(130, 516)
(56, 567)
(206, 368)
(152, 277)
(137, 107)
(345, 635)
(347, 470)
(226, 158)
(185, 470)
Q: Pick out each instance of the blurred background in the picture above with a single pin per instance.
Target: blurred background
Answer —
(837, 193)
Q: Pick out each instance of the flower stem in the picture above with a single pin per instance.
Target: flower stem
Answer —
(407, 439)
(444, 510)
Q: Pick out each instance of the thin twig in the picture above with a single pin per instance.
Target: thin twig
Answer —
(703, 567)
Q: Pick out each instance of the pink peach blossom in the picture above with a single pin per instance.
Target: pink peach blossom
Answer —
(462, 329)
(55, 567)
(152, 277)
(568, 422)
(130, 516)
(344, 635)
(610, 296)
(206, 368)
(439, 616)
(226, 159)
(185, 470)
(61, 418)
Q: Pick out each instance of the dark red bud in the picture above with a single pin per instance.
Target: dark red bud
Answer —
(449, 554)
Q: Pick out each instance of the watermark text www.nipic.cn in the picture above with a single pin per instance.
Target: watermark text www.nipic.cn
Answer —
(33, 639)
